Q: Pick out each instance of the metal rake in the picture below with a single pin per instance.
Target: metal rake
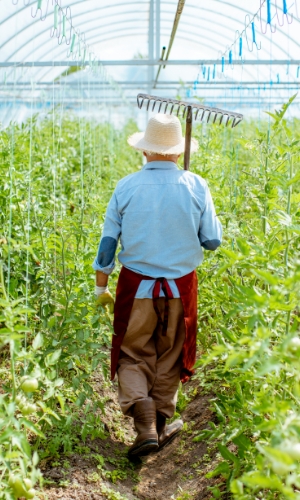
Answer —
(169, 106)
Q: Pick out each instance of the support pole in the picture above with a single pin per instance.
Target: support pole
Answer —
(188, 138)
(151, 45)
(157, 29)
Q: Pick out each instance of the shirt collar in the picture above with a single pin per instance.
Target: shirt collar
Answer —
(160, 165)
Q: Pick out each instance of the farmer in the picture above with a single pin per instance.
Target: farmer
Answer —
(163, 217)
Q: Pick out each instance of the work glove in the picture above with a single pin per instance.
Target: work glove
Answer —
(104, 298)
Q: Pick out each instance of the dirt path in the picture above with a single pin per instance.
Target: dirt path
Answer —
(100, 469)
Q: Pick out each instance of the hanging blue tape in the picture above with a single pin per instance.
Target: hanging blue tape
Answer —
(208, 74)
(223, 64)
(230, 57)
(269, 12)
(284, 8)
(195, 85)
(204, 71)
(288, 68)
(278, 81)
(240, 47)
(214, 71)
(298, 71)
(253, 32)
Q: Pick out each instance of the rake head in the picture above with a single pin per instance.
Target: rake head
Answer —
(170, 106)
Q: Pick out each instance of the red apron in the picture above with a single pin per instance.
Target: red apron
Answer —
(127, 288)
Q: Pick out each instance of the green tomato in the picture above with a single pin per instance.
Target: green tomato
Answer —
(16, 483)
(27, 409)
(28, 483)
(30, 493)
(30, 385)
(294, 451)
(294, 345)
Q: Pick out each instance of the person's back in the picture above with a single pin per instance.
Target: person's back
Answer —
(163, 217)
(165, 214)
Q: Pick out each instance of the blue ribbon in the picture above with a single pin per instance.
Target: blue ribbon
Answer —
(269, 12)
(240, 47)
(230, 56)
(223, 64)
(284, 8)
(253, 32)
(214, 71)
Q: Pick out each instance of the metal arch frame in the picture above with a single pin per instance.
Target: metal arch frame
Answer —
(121, 22)
(139, 3)
(125, 11)
(141, 33)
(188, 24)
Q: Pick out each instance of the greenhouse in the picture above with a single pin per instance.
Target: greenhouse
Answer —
(149, 250)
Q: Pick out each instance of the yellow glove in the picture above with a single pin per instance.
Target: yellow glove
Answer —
(104, 298)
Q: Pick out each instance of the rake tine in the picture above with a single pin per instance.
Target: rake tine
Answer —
(202, 116)
(141, 104)
(227, 121)
(239, 121)
(148, 104)
(233, 123)
(160, 105)
(184, 111)
(197, 112)
(214, 120)
(221, 119)
(172, 108)
(154, 104)
(208, 116)
(167, 104)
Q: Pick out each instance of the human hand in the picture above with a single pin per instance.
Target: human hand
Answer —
(104, 298)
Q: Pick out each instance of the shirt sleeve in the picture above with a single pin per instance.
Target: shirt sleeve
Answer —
(105, 259)
(210, 232)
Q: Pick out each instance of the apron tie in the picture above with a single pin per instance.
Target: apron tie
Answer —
(168, 295)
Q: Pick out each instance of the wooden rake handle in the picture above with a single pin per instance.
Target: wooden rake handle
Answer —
(188, 138)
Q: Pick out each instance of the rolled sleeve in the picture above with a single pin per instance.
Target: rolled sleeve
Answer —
(210, 233)
(105, 259)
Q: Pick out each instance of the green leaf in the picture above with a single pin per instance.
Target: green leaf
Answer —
(53, 357)
(38, 342)
(222, 469)
(259, 480)
(243, 246)
(266, 276)
(33, 428)
(227, 454)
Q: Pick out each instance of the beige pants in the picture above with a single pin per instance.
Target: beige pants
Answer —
(149, 363)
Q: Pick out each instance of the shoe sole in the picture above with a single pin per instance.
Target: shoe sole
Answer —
(169, 440)
(144, 448)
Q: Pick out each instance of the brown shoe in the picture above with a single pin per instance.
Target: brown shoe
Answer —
(166, 433)
(144, 414)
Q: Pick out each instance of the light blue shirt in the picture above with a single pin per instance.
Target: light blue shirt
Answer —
(163, 217)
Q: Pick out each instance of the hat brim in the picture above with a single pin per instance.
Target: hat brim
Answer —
(138, 142)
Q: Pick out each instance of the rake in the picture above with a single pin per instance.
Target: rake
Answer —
(169, 106)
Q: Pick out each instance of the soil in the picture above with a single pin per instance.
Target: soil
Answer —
(176, 472)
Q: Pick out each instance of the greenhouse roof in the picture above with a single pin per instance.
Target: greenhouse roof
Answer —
(239, 54)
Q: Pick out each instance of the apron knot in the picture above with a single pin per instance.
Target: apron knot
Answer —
(164, 285)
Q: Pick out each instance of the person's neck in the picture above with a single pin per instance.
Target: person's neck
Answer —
(157, 157)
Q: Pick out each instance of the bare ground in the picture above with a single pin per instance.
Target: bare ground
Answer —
(102, 470)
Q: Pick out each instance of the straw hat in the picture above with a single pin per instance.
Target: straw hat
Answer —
(163, 136)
